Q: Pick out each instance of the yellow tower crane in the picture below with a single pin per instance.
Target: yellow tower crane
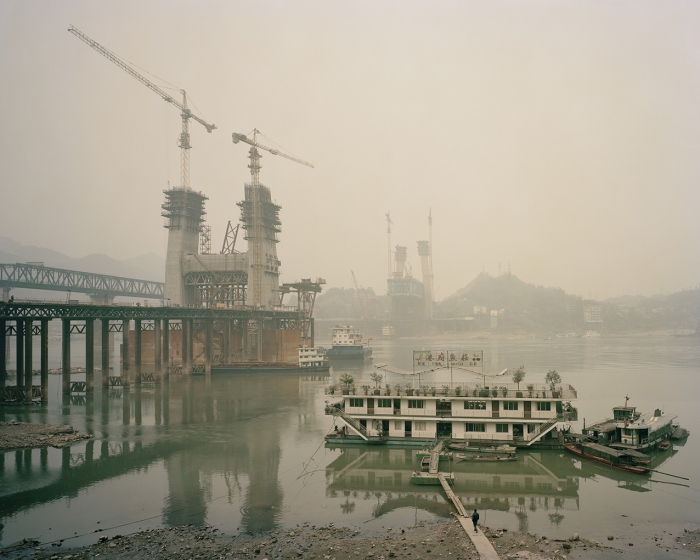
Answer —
(185, 113)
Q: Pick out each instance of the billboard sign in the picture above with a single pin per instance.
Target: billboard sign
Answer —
(447, 358)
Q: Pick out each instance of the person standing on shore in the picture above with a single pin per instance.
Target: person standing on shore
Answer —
(475, 520)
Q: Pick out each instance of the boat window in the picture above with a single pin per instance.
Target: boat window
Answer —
(510, 405)
(384, 403)
(476, 427)
(357, 403)
(502, 428)
(475, 405)
(419, 426)
(412, 403)
(544, 406)
(398, 425)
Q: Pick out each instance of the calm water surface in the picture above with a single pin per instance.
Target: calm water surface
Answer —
(247, 453)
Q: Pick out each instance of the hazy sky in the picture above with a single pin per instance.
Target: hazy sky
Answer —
(560, 137)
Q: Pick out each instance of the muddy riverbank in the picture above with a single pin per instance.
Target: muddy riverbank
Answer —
(445, 539)
(27, 435)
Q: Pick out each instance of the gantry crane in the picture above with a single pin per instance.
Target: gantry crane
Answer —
(255, 237)
(185, 113)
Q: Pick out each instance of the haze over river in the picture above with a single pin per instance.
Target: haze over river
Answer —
(242, 452)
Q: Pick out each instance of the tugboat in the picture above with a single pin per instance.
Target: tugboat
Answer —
(632, 430)
(347, 344)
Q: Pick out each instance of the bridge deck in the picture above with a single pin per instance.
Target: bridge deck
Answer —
(60, 310)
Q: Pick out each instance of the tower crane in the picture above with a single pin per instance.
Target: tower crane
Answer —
(185, 113)
(388, 232)
(255, 240)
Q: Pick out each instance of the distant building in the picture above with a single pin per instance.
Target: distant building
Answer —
(494, 318)
(592, 313)
(480, 310)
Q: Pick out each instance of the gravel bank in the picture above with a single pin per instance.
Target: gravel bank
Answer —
(443, 540)
(22, 435)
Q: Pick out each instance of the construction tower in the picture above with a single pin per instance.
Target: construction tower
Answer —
(184, 213)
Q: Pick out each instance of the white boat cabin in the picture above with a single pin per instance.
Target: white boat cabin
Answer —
(472, 413)
(631, 429)
(346, 336)
(312, 357)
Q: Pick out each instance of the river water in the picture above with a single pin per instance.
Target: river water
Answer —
(243, 452)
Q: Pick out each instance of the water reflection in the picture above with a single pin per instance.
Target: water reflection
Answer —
(229, 452)
(383, 474)
(226, 427)
(546, 480)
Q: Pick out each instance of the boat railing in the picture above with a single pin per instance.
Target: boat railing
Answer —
(598, 423)
(467, 390)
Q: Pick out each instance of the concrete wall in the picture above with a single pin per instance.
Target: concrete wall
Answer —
(181, 242)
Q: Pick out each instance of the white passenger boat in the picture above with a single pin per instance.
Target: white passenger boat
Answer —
(483, 417)
(313, 359)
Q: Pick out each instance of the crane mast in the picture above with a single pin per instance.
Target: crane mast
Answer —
(388, 232)
(255, 238)
(185, 112)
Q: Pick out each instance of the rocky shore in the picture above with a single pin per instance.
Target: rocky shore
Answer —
(23, 435)
(308, 542)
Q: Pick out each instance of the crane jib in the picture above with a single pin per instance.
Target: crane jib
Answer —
(185, 112)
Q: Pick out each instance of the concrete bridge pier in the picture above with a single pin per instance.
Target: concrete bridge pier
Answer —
(44, 337)
(3, 355)
(208, 345)
(157, 351)
(104, 335)
(5, 293)
(126, 373)
(19, 359)
(166, 348)
(226, 342)
(28, 362)
(137, 405)
(190, 346)
(187, 343)
(65, 356)
(89, 356)
(126, 407)
(137, 350)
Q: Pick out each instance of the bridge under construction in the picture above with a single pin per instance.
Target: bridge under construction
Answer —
(222, 309)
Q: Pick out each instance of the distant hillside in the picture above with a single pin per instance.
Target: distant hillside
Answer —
(522, 306)
(343, 303)
(530, 308)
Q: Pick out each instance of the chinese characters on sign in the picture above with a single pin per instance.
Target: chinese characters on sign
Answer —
(443, 358)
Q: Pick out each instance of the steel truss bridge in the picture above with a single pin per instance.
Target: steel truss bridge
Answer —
(81, 312)
(209, 327)
(41, 277)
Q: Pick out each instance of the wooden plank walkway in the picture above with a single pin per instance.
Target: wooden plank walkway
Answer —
(482, 544)
(435, 457)
(451, 495)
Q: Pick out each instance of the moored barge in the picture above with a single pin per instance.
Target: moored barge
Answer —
(607, 456)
